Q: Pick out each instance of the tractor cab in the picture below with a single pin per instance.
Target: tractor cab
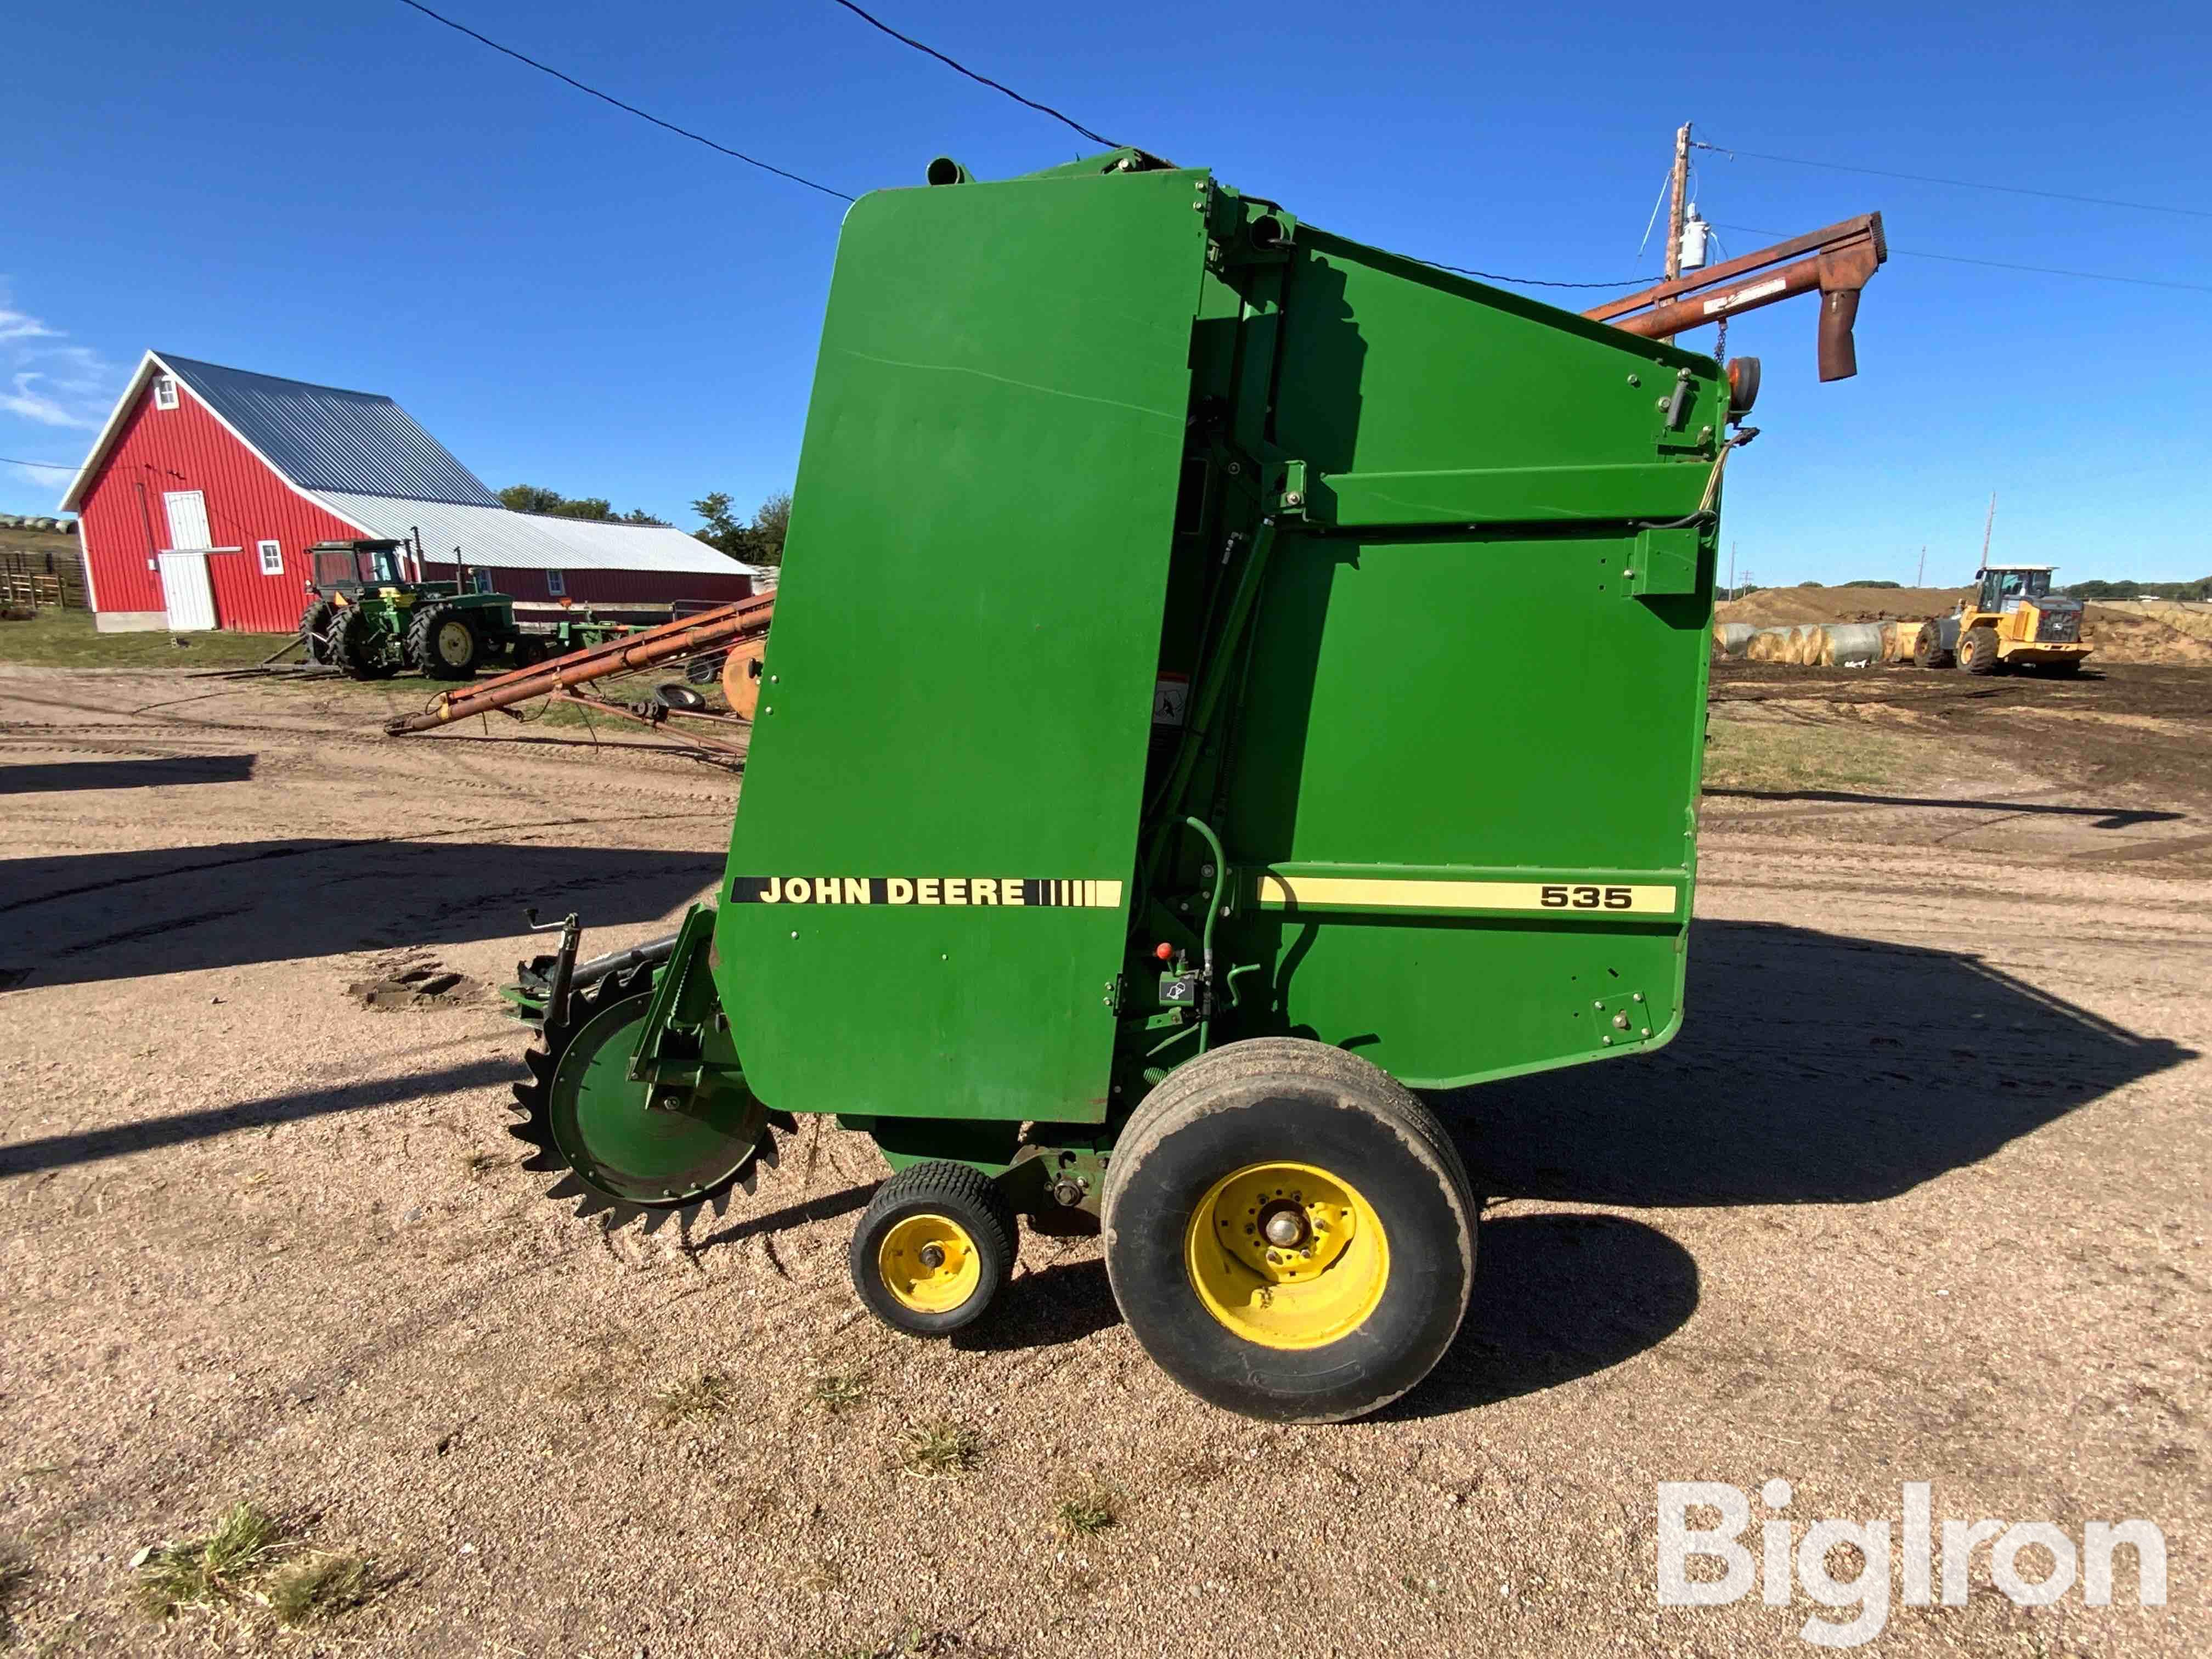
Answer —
(346, 570)
(2006, 587)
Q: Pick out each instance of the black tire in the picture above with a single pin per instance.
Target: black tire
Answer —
(443, 641)
(528, 651)
(358, 646)
(675, 695)
(1977, 651)
(911, 1198)
(315, 630)
(1928, 650)
(705, 671)
(1282, 1099)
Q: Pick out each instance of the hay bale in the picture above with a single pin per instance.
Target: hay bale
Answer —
(1852, 645)
(1767, 644)
(1804, 647)
(1732, 639)
(1898, 639)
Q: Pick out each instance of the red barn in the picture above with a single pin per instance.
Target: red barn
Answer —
(208, 484)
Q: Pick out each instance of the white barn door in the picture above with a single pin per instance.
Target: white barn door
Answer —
(184, 587)
(185, 591)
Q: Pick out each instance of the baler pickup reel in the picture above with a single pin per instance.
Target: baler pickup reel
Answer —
(1838, 261)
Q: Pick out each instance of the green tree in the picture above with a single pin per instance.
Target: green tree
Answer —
(536, 498)
(758, 540)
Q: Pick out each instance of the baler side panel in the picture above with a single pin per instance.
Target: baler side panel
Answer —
(959, 683)
(1476, 703)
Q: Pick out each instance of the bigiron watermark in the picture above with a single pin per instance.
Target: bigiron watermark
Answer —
(1929, 1567)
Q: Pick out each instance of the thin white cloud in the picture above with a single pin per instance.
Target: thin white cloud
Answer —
(33, 406)
(48, 383)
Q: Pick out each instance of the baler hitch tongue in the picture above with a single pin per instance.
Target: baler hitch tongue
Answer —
(1838, 261)
(540, 993)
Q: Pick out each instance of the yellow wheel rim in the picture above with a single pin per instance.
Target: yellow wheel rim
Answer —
(928, 1263)
(1286, 1255)
(453, 642)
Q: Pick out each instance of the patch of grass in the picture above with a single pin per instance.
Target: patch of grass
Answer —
(837, 1391)
(1769, 754)
(1086, 1516)
(66, 639)
(321, 1589)
(474, 1164)
(702, 1394)
(220, 1570)
(939, 1447)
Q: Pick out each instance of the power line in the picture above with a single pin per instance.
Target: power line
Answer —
(51, 466)
(983, 80)
(1534, 282)
(2040, 270)
(1959, 184)
(608, 98)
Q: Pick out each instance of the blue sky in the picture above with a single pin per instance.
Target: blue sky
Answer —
(348, 193)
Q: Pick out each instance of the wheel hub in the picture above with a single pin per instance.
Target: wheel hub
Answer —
(929, 1263)
(1286, 1255)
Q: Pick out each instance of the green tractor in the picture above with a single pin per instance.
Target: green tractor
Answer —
(369, 617)
(1133, 877)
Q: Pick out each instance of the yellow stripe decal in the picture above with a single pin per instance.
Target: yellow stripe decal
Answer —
(1382, 893)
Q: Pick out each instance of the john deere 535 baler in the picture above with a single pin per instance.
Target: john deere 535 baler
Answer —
(1224, 679)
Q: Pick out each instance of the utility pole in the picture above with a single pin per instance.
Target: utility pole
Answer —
(1920, 574)
(1988, 525)
(1678, 188)
(1731, 570)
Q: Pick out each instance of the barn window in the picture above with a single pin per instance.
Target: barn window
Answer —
(272, 557)
(165, 392)
(554, 585)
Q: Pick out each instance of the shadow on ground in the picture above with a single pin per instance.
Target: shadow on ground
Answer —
(92, 1145)
(1556, 1297)
(1811, 1068)
(2107, 818)
(62, 775)
(87, 916)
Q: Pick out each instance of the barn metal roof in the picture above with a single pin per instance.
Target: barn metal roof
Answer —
(322, 437)
(494, 535)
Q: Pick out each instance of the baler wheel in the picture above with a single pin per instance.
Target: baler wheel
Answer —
(934, 1249)
(622, 1158)
(358, 648)
(1289, 1233)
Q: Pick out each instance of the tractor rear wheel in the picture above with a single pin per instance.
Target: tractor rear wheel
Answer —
(1977, 651)
(444, 643)
(359, 648)
(1290, 1234)
(934, 1249)
(1928, 650)
(315, 630)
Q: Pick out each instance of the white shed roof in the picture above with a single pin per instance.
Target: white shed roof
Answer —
(495, 536)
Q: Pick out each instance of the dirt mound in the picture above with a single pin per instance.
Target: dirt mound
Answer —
(2191, 617)
(1772, 606)
(2128, 635)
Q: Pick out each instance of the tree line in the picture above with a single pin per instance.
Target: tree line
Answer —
(757, 539)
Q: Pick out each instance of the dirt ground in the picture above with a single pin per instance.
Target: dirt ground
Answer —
(1920, 1194)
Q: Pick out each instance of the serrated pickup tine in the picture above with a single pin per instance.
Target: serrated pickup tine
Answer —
(570, 1187)
(656, 1219)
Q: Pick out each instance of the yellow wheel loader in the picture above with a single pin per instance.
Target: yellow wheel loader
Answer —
(2012, 620)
